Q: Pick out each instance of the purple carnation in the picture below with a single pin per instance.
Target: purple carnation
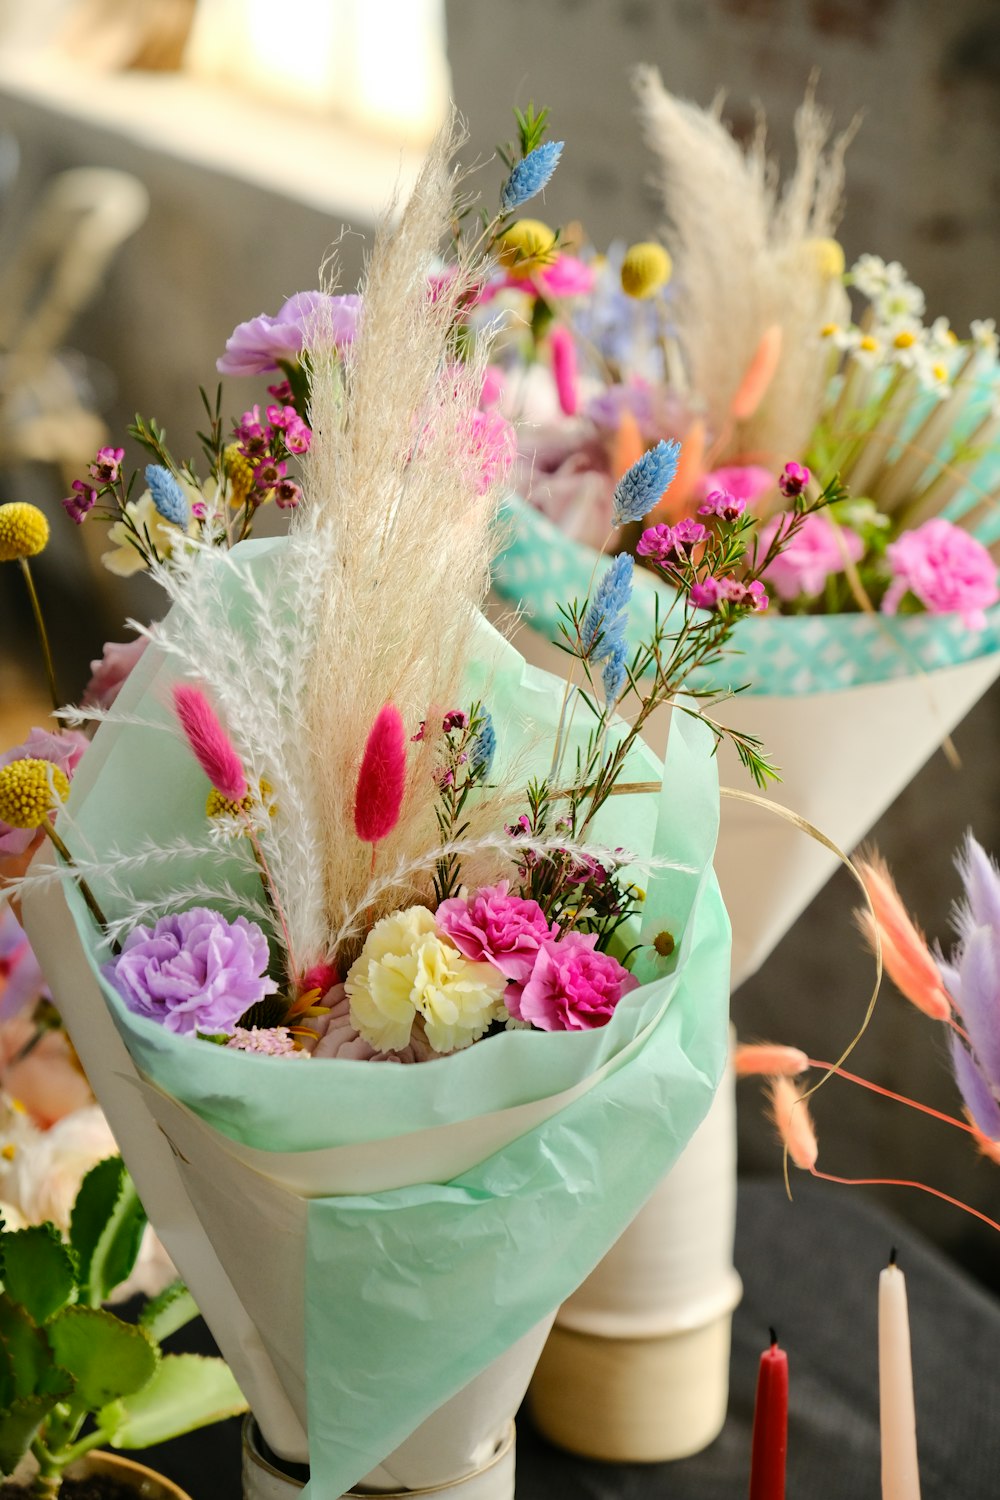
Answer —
(495, 928)
(194, 971)
(263, 342)
(571, 987)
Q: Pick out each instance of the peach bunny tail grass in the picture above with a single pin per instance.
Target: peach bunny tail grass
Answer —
(210, 743)
(908, 960)
(793, 1122)
(758, 375)
(769, 1060)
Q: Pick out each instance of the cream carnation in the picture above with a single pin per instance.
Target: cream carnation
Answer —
(407, 968)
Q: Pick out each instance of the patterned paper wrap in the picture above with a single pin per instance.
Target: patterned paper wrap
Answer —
(363, 1239)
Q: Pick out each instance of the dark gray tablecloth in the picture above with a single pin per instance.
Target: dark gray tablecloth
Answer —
(810, 1268)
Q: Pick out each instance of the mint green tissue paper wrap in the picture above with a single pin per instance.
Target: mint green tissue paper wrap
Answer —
(391, 1230)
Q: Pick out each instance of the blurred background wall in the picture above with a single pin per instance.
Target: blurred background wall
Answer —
(923, 177)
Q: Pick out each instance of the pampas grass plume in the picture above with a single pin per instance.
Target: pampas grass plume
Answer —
(382, 777)
(212, 747)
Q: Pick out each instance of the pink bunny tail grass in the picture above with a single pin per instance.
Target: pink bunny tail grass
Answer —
(905, 954)
(382, 777)
(758, 375)
(793, 1122)
(212, 747)
(564, 369)
(769, 1059)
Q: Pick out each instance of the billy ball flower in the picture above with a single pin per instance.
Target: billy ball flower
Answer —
(29, 790)
(193, 971)
(24, 531)
(646, 268)
(641, 486)
(526, 247)
(530, 175)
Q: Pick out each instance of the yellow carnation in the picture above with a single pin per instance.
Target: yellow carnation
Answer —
(29, 790)
(24, 531)
(645, 269)
(407, 968)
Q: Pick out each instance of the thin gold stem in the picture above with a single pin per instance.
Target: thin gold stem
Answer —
(85, 890)
(43, 637)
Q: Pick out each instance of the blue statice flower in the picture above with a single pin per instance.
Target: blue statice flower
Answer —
(168, 497)
(530, 175)
(972, 978)
(606, 618)
(626, 333)
(483, 747)
(614, 676)
(641, 486)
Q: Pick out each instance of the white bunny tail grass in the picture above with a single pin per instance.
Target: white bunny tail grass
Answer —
(750, 255)
(396, 493)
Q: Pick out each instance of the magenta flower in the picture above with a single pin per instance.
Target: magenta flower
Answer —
(571, 986)
(564, 370)
(287, 494)
(671, 544)
(745, 481)
(64, 750)
(946, 569)
(709, 592)
(82, 501)
(107, 464)
(754, 594)
(491, 926)
(722, 503)
(567, 276)
(818, 549)
(193, 971)
(492, 448)
(108, 675)
(262, 343)
(793, 480)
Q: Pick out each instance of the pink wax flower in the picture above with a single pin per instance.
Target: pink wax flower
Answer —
(260, 344)
(671, 544)
(491, 926)
(722, 503)
(571, 986)
(107, 464)
(709, 592)
(946, 569)
(793, 480)
(64, 750)
(81, 502)
(745, 481)
(107, 676)
(818, 549)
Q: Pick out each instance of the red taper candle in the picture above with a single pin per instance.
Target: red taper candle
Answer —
(770, 1425)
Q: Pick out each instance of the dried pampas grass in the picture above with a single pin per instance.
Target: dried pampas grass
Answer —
(750, 255)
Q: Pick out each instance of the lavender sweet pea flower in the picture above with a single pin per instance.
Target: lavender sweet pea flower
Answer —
(260, 344)
(193, 971)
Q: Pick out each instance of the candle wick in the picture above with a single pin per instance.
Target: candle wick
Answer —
(774, 1338)
(892, 1256)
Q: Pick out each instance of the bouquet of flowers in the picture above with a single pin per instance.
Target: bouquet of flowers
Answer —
(883, 621)
(332, 819)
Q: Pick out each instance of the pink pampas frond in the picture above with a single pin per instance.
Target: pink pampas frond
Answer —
(378, 797)
(212, 747)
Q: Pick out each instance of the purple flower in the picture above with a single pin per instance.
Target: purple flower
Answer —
(723, 504)
(817, 549)
(108, 675)
(946, 569)
(82, 501)
(64, 750)
(494, 927)
(106, 465)
(571, 986)
(193, 971)
(671, 544)
(793, 480)
(263, 342)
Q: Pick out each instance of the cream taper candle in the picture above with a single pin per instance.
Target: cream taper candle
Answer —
(900, 1473)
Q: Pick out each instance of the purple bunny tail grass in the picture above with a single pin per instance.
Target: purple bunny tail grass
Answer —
(378, 797)
(212, 747)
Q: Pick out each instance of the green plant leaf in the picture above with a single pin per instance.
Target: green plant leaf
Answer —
(164, 1314)
(38, 1270)
(26, 1347)
(187, 1391)
(18, 1426)
(107, 1358)
(105, 1229)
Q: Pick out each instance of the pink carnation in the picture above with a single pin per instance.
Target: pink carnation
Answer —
(64, 751)
(496, 928)
(817, 550)
(946, 569)
(108, 675)
(571, 987)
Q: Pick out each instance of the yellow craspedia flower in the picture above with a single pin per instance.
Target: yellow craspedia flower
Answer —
(827, 257)
(28, 789)
(527, 246)
(646, 268)
(239, 472)
(24, 531)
